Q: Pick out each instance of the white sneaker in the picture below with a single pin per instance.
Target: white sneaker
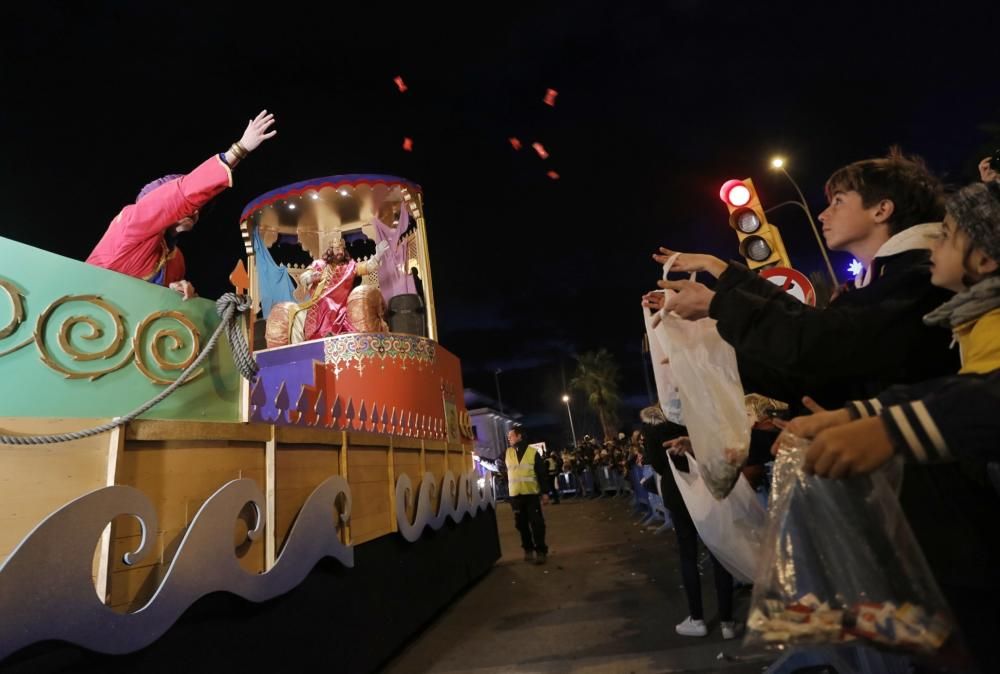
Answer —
(692, 628)
(728, 630)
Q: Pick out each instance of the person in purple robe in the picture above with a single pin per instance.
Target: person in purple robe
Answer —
(393, 271)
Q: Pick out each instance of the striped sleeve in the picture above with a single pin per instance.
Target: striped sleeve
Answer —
(861, 409)
(945, 419)
(915, 433)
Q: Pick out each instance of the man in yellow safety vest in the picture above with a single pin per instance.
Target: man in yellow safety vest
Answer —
(526, 475)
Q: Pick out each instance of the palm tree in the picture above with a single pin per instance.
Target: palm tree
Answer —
(597, 377)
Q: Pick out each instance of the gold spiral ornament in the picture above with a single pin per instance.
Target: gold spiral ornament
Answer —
(16, 298)
(65, 337)
(175, 342)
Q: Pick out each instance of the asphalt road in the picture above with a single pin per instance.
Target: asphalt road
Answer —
(606, 601)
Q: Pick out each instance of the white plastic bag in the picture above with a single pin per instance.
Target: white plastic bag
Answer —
(732, 528)
(706, 373)
(666, 389)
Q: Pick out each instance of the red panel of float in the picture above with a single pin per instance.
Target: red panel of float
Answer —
(378, 382)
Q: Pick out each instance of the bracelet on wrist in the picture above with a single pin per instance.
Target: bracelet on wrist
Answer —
(238, 151)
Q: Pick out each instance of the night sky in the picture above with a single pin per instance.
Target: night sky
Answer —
(659, 103)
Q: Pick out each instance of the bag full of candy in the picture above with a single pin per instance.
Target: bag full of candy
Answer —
(840, 564)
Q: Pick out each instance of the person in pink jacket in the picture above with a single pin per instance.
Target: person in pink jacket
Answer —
(141, 240)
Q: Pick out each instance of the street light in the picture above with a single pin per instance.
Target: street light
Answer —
(778, 164)
(572, 430)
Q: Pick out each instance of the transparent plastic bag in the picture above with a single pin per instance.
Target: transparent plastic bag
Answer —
(840, 564)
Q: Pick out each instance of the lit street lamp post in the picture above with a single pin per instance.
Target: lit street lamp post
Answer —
(572, 430)
(778, 164)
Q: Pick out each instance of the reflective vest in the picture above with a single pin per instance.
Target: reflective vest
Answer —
(521, 475)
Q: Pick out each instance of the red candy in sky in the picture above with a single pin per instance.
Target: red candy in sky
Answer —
(553, 175)
(540, 149)
(408, 144)
(550, 97)
(515, 143)
(400, 83)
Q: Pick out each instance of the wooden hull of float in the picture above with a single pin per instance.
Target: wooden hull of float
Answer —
(328, 529)
(193, 483)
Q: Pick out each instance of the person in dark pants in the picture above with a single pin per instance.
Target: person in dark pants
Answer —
(687, 541)
(527, 476)
(657, 432)
(553, 466)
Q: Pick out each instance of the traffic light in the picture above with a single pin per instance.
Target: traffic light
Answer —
(760, 242)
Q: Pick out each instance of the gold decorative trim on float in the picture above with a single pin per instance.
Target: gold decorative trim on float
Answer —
(96, 332)
(16, 298)
(178, 344)
(365, 347)
(66, 345)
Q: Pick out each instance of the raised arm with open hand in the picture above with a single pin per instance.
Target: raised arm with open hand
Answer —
(257, 131)
(689, 262)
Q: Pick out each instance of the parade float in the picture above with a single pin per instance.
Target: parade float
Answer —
(316, 511)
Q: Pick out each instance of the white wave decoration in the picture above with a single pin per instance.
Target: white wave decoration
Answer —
(46, 591)
(457, 500)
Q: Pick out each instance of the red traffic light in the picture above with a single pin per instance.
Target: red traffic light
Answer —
(735, 193)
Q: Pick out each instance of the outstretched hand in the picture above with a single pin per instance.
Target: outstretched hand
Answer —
(653, 300)
(691, 300)
(809, 426)
(854, 448)
(257, 131)
(307, 277)
(380, 248)
(679, 446)
(689, 262)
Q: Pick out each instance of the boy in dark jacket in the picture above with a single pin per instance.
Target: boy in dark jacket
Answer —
(871, 336)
